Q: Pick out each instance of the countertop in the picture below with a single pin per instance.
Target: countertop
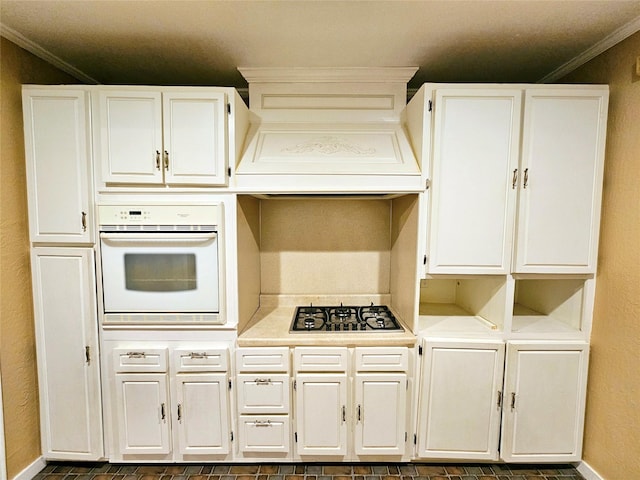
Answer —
(269, 327)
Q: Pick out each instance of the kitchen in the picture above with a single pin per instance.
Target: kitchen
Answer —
(249, 201)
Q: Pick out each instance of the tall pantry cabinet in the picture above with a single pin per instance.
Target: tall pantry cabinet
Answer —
(513, 177)
(57, 149)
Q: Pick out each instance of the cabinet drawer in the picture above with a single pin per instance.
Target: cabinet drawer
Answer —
(143, 359)
(382, 359)
(263, 393)
(200, 360)
(260, 359)
(264, 433)
(317, 359)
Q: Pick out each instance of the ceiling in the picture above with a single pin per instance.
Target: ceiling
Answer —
(185, 42)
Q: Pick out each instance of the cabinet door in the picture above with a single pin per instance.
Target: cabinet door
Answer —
(264, 434)
(142, 403)
(263, 393)
(561, 181)
(58, 165)
(460, 399)
(381, 400)
(321, 409)
(195, 138)
(202, 413)
(472, 193)
(68, 359)
(129, 136)
(545, 389)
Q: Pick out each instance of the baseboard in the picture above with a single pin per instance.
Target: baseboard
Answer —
(588, 472)
(32, 470)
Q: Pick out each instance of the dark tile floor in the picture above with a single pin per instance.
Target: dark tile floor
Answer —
(308, 471)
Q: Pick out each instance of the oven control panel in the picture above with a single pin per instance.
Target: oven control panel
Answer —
(159, 214)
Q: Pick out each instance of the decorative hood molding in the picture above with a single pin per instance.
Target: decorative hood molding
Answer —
(327, 130)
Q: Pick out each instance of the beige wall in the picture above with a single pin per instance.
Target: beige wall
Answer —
(612, 435)
(17, 343)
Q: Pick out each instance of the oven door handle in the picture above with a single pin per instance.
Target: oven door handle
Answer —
(165, 237)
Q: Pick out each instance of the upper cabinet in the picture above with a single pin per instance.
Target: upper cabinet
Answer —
(515, 179)
(158, 137)
(57, 151)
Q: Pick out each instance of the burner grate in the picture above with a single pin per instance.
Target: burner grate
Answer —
(344, 319)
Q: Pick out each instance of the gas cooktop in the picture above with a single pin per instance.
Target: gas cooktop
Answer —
(344, 319)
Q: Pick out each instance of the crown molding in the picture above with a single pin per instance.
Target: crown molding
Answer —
(32, 47)
(328, 75)
(603, 45)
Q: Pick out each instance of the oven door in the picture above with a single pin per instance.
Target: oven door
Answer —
(160, 272)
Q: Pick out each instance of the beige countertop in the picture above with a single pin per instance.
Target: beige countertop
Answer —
(270, 327)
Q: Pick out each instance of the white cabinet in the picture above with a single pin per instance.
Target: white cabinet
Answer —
(473, 197)
(171, 411)
(461, 394)
(263, 395)
(544, 405)
(57, 150)
(161, 137)
(67, 350)
(351, 416)
(485, 160)
(538, 415)
(563, 140)
(142, 403)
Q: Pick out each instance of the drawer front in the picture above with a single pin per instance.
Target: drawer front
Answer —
(262, 359)
(317, 359)
(264, 433)
(382, 359)
(132, 360)
(263, 393)
(187, 360)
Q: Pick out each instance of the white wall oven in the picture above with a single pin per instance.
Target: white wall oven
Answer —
(160, 264)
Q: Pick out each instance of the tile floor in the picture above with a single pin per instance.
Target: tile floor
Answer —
(309, 471)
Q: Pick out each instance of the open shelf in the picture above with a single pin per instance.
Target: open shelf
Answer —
(548, 306)
(466, 306)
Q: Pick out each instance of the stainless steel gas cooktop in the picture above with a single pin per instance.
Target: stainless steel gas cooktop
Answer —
(344, 319)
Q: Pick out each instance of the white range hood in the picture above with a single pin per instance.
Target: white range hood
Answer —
(327, 131)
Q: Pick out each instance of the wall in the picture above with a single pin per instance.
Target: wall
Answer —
(17, 342)
(612, 435)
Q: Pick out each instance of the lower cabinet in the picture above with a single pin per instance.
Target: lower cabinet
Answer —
(68, 360)
(177, 412)
(351, 411)
(465, 410)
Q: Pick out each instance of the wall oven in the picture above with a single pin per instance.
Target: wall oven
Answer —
(160, 264)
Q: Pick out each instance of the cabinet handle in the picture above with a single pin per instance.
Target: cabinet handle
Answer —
(87, 355)
(513, 401)
(163, 413)
(344, 414)
(179, 412)
(263, 381)
(166, 160)
(136, 354)
(499, 399)
(359, 413)
(262, 423)
(197, 355)
(514, 179)
(526, 178)
(84, 221)
(157, 159)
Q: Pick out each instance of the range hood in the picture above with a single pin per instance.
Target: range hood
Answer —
(327, 130)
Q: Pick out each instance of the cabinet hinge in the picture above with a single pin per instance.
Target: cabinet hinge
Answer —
(295, 437)
(406, 436)
(427, 184)
(430, 106)
(406, 387)
(295, 384)
(232, 436)
(419, 349)
(415, 439)
(229, 171)
(229, 108)
(424, 260)
(229, 384)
